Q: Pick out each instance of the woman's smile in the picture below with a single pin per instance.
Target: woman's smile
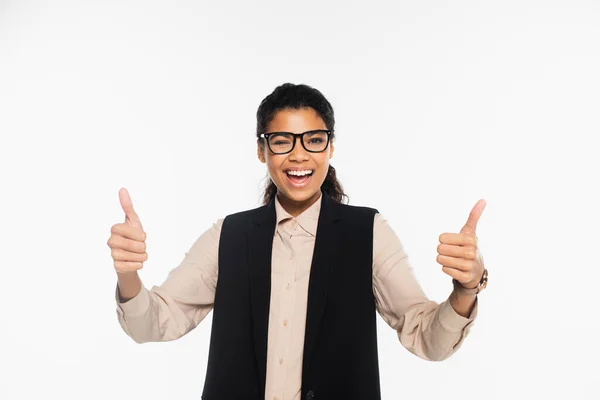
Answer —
(299, 177)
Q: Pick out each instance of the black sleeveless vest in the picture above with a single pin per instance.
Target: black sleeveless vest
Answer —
(340, 345)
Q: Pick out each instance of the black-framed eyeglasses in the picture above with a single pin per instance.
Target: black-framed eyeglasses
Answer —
(315, 141)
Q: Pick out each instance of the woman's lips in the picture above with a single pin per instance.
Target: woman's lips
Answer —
(298, 182)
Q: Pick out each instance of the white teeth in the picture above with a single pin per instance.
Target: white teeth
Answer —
(299, 173)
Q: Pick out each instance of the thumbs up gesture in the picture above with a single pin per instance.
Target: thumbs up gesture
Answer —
(458, 252)
(128, 239)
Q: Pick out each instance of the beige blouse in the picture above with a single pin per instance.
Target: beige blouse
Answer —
(430, 330)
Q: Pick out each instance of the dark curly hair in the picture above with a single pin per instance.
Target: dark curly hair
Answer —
(296, 97)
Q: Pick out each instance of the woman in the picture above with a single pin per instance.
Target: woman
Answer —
(295, 285)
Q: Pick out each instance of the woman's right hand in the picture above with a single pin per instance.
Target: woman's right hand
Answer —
(128, 239)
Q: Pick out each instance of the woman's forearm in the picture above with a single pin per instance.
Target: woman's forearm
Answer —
(130, 285)
(462, 303)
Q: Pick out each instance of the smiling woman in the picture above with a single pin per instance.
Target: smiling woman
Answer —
(290, 114)
(296, 284)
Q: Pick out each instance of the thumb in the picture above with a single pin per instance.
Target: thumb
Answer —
(131, 216)
(471, 225)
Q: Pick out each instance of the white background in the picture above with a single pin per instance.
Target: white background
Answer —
(438, 104)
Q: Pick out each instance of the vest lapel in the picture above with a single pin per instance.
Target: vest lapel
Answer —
(326, 256)
(260, 249)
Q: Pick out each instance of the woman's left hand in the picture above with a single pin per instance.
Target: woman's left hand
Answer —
(458, 252)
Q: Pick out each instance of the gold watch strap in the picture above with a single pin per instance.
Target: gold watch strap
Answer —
(482, 285)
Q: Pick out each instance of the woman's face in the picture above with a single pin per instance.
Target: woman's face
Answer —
(293, 188)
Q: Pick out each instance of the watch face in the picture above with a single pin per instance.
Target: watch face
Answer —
(484, 279)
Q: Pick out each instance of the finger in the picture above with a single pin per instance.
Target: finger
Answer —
(466, 252)
(124, 255)
(471, 225)
(460, 239)
(456, 274)
(128, 231)
(131, 216)
(120, 242)
(128, 266)
(457, 263)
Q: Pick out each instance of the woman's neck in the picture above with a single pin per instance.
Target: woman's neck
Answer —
(295, 208)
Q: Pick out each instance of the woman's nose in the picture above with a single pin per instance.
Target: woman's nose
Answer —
(298, 152)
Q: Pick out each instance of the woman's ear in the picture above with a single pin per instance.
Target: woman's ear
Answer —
(260, 151)
(331, 150)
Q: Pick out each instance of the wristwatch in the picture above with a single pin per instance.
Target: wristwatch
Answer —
(463, 290)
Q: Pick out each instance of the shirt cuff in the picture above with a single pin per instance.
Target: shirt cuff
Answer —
(135, 306)
(453, 321)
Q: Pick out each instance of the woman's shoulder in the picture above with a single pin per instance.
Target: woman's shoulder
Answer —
(360, 209)
(245, 217)
(249, 213)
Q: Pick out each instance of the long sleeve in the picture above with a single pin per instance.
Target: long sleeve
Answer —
(173, 309)
(427, 329)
